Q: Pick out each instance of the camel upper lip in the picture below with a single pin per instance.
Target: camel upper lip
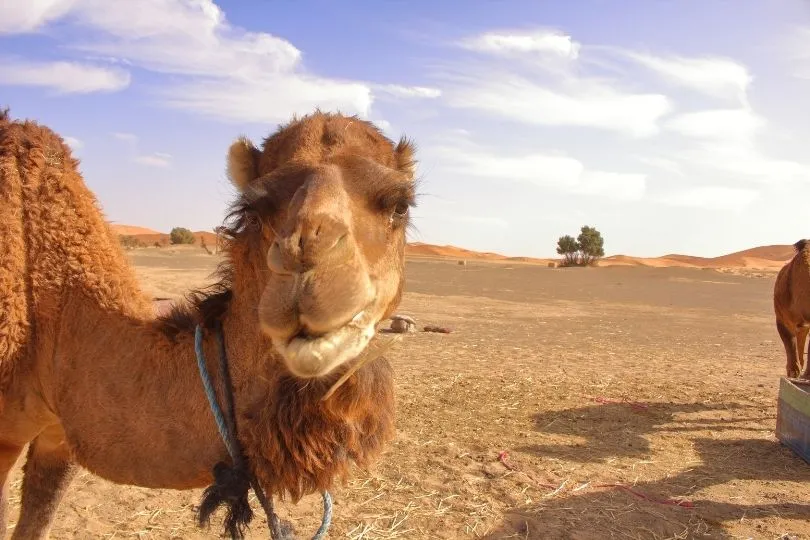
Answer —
(304, 334)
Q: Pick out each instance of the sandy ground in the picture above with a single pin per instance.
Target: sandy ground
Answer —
(598, 403)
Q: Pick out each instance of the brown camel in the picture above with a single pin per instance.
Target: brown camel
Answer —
(791, 303)
(314, 246)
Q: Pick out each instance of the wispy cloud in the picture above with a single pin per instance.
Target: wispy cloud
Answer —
(157, 159)
(217, 69)
(711, 75)
(24, 17)
(63, 77)
(726, 140)
(539, 93)
(580, 103)
(540, 41)
(556, 172)
(408, 91)
(711, 198)
(73, 142)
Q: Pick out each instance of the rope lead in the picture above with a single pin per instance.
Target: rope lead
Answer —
(232, 482)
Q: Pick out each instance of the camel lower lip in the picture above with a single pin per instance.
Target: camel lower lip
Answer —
(317, 355)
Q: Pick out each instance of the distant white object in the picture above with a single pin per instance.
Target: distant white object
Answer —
(402, 324)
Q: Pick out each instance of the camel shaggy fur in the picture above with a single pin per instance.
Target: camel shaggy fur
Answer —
(791, 302)
(314, 246)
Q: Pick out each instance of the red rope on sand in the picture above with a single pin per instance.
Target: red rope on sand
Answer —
(503, 457)
(671, 502)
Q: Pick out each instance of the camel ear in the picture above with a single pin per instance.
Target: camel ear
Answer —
(243, 163)
(405, 157)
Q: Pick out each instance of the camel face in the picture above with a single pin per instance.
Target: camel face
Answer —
(333, 246)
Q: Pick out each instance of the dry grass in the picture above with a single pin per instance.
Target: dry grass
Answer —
(557, 391)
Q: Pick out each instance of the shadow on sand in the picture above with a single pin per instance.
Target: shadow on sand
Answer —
(616, 430)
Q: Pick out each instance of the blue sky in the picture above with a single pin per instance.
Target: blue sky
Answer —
(670, 126)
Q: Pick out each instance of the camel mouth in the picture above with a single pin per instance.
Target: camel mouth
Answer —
(316, 355)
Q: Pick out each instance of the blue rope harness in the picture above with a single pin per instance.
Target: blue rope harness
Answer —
(227, 430)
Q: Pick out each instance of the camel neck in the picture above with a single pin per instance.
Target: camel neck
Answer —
(147, 412)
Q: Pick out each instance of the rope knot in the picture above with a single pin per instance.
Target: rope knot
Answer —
(230, 489)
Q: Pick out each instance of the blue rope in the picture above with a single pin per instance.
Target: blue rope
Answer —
(222, 425)
(227, 429)
(327, 517)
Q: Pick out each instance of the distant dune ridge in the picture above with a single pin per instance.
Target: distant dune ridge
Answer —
(761, 258)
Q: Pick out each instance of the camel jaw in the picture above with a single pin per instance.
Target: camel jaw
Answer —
(316, 356)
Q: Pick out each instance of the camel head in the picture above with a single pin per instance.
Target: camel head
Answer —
(329, 198)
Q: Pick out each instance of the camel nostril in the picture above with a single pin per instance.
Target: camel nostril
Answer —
(275, 260)
(341, 239)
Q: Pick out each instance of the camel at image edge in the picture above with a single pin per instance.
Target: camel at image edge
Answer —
(314, 260)
(791, 301)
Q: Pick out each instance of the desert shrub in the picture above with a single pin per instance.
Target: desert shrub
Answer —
(130, 242)
(584, 250)
(181, 235)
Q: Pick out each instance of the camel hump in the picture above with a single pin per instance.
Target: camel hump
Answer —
(800, 245)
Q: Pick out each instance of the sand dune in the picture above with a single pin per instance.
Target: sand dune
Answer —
(761, 258)
(150, 237)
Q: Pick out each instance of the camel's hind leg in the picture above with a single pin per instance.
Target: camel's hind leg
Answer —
(46, 476)
(8, 457)
(789, 340)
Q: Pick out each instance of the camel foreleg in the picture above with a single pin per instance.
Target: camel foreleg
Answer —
(46, 476)
(8, 457)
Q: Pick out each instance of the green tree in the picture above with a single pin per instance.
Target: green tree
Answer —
(568, 247)
(591, 245)
(584, 250)
(181, 235)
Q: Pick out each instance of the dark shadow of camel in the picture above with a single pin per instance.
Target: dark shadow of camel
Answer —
(613, 430)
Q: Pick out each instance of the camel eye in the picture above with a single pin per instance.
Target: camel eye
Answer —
(401, 209)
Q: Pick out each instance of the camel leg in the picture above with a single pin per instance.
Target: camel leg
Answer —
(8, 457)
(789, 342)
(46, 476)
(801, 343)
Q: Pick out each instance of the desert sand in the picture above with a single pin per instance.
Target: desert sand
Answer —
(581, 403)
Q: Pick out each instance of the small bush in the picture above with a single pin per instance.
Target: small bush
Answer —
(181, 235)
(130, 242)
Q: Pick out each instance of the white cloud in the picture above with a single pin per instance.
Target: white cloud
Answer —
(725, 140)
(64, 77)
(157, 159)
(409, 91)
(711, 198)
(29, 15)
(540, 85)
(524, 42)
(584, 103)
(711, 75)
(73, 142)
(553, 171)
(719, 124)
(219, 70)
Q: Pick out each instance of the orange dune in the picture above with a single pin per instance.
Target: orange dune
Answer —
(150, 237)
(760, 258)
(131, 230)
